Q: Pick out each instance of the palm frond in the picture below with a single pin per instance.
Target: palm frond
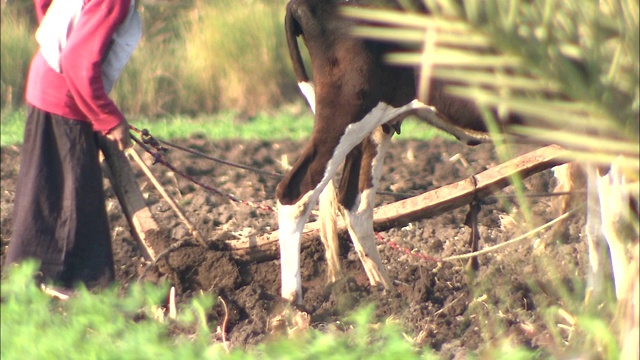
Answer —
(569, 68)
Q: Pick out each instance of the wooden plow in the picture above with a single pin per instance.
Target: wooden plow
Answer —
(118, 170)
(396, 214)
(426, 205)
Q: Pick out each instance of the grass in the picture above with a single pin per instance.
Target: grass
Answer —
(12, 127)
(109, 325)
(285, 125)
(226, 126)
(80, 327)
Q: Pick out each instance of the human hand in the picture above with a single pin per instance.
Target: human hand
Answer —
(120, 135)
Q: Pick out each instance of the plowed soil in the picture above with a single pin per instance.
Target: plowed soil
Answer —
(437, 304)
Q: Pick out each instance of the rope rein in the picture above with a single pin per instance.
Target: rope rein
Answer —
(159, 156)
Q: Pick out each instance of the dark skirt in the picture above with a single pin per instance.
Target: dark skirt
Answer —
(59, 216)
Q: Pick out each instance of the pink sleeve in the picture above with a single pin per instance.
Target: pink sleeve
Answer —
(81, 59)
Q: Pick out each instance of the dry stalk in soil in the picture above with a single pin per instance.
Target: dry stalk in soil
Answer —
(196, 234)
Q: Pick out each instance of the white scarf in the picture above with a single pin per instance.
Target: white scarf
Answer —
(58, 22)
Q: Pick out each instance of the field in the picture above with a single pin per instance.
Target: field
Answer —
(570, 65)
(516, 300)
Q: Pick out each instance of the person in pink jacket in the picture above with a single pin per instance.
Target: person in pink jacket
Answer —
(59, 216)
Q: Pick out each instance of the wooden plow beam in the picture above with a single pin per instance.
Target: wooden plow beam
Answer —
(123, 181)
(429, 204)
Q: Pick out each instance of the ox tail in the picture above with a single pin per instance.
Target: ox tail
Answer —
(293, 29)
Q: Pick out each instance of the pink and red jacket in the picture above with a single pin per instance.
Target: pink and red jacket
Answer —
(79, 90)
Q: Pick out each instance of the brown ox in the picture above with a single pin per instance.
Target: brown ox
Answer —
(359, 102)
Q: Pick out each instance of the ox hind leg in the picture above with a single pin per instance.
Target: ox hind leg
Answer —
(616, 223)
(357, 195)
(328, 206)
(364, 171)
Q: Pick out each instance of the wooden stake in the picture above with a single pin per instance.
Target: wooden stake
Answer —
(192, 229)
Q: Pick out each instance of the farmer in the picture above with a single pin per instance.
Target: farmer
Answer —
(59, 217)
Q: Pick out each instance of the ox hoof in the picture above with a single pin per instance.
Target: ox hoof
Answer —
(290, 322)
(346, 293)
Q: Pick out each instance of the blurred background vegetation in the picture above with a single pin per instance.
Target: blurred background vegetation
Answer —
(568, 68)
(569, 65)
(195, 57)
